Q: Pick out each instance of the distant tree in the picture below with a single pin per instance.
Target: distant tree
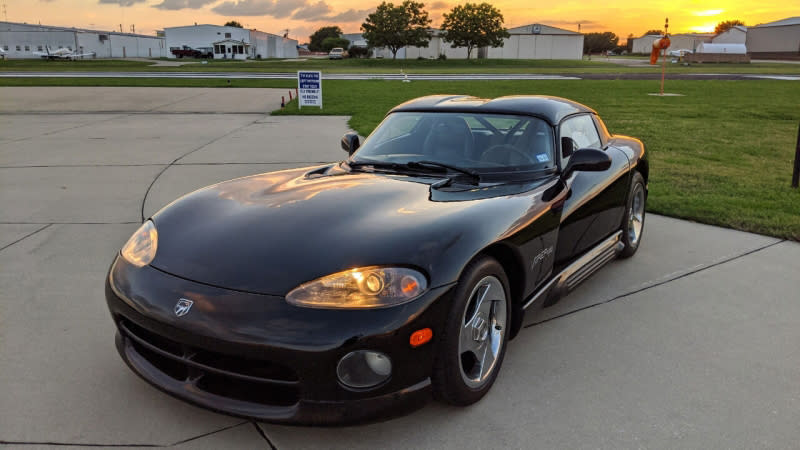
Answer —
(333, 42)
(629, 43)
(233, 23)
(727, 25)
(397, 26)
(599, 42)
(320, 35)
(658, 32)
(474, 26)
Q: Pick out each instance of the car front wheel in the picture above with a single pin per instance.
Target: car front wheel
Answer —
(475, 335)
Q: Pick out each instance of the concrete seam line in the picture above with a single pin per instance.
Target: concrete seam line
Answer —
(71, 444)
(229, 427)
(176, 101)
(264, 435)
(80, 444)
(636, 291)
(26, 236)
(60, 130)
(70, 223)
(147, 192)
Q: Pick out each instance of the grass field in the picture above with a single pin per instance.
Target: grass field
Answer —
(722, 154)
(628, 65)
(149, 82)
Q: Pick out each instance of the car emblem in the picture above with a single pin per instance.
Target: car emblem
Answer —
(183, 306)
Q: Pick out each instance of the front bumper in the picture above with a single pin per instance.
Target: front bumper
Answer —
(256, 356)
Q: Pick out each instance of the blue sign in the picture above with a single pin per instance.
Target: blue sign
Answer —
(309, 89)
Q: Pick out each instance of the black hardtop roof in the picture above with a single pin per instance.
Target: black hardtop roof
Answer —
(549, 108)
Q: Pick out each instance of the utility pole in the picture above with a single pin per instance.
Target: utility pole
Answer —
(5, 13)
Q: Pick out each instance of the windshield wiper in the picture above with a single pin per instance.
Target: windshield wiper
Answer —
(417, 166)
(434, 165)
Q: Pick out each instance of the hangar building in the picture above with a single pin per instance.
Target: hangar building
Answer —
(538, 41)
(534, 41)
(734, 35)
(780, 39)
(20, 40)
(684, 41)
(230, 42)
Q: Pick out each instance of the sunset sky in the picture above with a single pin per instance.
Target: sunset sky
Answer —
(302, 17)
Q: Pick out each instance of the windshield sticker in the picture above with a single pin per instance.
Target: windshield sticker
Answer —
(542, 157)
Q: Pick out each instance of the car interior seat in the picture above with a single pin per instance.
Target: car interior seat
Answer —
(448, 139)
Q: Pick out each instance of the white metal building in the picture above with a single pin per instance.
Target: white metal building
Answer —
(685, 41)
(734, 35)
(539, 41)
(734, 49)
(780, 39)
(257, 44)
(535, 41)
(20, 40)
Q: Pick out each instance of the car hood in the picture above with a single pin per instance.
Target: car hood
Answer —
(271, 232)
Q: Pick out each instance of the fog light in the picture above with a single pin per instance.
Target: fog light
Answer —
(364, 369)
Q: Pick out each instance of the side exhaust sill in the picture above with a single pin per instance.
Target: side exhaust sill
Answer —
(569, 278)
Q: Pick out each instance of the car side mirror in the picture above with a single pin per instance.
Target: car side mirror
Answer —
(567, 146)
(587, 160)
(350, 142)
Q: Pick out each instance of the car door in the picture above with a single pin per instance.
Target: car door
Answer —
(595, 202)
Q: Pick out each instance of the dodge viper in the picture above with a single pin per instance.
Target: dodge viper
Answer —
(358, 290)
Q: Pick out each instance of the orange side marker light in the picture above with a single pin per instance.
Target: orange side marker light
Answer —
(420, 337)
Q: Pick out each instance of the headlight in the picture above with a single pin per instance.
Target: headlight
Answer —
(141, 247)
(364, 287)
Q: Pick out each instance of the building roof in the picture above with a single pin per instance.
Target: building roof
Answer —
(552, 109)
(37, 27)
(540, 28)
(782, 22)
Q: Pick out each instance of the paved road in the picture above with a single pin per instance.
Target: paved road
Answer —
(690, 344)
(400, 76)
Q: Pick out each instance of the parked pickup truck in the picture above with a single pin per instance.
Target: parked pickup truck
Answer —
(188, 52)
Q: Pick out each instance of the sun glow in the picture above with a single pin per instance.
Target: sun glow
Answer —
(709, 12)
(707, 27)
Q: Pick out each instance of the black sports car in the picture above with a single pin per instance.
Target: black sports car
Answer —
(353, 291)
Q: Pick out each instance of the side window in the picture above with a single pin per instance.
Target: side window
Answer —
(582, 132)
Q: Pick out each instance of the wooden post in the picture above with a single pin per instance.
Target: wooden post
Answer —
(796, 173)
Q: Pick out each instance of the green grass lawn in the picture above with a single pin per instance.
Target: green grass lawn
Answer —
(149, 82)
(722, 154)
(597, 65)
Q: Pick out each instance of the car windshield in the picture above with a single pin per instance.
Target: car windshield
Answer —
(483, 143)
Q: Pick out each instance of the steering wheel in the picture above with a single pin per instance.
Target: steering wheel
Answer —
(507, 148)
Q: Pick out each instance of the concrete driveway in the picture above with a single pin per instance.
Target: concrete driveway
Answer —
(693, 343)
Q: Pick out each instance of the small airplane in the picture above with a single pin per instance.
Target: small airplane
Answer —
(61, 53)
(2, 53)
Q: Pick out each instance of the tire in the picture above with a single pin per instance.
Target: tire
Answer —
(476, 331)
(633, 222)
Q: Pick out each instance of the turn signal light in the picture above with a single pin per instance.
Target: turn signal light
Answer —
(420, 337)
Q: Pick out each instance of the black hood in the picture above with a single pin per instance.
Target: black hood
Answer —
(269, 233)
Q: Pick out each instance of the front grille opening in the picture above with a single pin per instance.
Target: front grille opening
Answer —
(253, 368)
(169, 366)
(165, 344)
(247, 391)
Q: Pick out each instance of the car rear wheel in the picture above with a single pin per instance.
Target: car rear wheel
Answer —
(633, 223)
(475, 335)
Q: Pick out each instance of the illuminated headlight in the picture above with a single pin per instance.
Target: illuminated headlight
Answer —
(364, 287)
(141, 247)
